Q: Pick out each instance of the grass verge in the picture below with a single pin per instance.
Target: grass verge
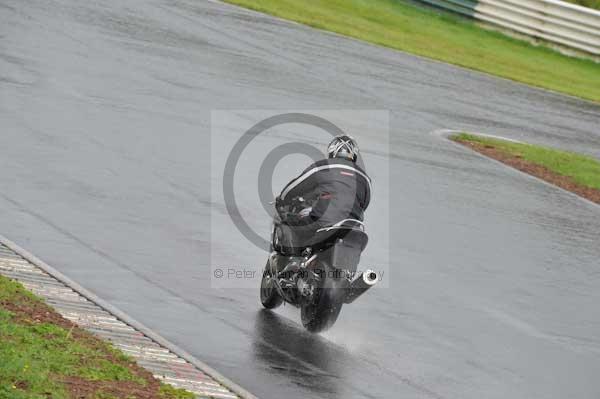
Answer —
(595, 4)
(404, 26)
(43, 355)
(571, 171)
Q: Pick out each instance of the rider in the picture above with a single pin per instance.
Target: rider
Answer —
(329, 191)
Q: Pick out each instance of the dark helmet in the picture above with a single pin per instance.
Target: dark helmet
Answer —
(343, 146)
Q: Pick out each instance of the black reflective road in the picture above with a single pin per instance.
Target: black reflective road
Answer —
(107, 172)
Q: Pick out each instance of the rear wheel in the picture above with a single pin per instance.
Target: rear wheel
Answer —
(269, 297)
(324, 309)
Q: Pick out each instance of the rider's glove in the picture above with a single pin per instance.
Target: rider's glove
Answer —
(305, 212)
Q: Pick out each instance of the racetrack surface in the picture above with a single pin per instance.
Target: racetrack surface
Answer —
(105, 173)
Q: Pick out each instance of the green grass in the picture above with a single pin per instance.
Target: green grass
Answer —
(582, 169)
(35, 356)
(169, 392)
(404, 26)
(587, 3)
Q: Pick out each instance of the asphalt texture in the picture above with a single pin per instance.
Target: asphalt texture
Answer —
(110, 173)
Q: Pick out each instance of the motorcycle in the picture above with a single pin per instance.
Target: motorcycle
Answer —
(320, 278)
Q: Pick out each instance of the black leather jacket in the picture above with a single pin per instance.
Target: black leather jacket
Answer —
(336, 188)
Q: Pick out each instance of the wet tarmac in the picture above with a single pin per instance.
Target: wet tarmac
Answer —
(109, 171)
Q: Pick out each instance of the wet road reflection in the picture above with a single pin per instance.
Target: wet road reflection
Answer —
(305, 359)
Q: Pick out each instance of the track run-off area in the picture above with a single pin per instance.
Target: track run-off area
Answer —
(107, 168)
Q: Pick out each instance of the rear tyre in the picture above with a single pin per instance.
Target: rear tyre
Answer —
(269, 297)
(324, 310)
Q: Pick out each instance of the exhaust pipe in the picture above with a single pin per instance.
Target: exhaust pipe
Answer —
(360, 285)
